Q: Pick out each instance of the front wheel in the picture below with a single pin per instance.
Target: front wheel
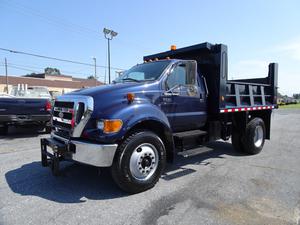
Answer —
(139, 162)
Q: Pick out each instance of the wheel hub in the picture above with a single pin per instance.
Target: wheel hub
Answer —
(258, 136)
(144, 161)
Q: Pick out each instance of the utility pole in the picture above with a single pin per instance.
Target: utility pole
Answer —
(95, 63)
(109, 35)
(108, 52)
(6, 75)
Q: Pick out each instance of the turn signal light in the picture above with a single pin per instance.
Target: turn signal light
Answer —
(130, 97)
(112, 126)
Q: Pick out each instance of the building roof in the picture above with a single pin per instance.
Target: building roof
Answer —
(43, 75)
(76, 83)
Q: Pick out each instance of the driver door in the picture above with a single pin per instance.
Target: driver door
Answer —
(184, 100)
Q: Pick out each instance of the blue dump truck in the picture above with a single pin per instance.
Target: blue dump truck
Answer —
(174, 101)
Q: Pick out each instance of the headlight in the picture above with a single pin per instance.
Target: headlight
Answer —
(110, 126)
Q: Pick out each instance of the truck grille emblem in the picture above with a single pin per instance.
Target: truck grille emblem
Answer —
(61, 115)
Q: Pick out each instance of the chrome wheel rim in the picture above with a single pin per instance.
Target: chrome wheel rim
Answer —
(144, 161)
(258, 136)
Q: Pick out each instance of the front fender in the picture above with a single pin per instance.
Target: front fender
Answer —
(138, 113)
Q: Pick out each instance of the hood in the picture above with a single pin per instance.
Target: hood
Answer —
(108, 98)
(113, 89)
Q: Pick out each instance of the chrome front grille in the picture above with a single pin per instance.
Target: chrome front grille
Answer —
(70, 114)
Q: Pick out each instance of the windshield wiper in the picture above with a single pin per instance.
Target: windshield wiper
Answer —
(131, 79)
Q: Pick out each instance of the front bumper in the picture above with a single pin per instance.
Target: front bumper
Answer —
(100, 155)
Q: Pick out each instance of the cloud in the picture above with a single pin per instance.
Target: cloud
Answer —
(290, 49)
(248, 69)
(287, 54)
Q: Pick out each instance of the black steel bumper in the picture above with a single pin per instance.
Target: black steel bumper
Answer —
(60, 152)
(21, 119)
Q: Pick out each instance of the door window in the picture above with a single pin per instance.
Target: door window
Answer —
(182, 75)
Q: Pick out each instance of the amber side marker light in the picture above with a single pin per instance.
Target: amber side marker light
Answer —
(173, 47)
(112, 126)
(130, 97)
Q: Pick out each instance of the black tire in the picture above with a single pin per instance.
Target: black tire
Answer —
(120, 169)
(3, 129)
(48, 129)
(44, 160)
(236, 140)
(249, 144)
(55, 166)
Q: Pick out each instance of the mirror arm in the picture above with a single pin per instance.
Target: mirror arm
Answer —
(170, 91)
(205, 86)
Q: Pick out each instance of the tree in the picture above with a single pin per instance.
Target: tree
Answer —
(52, 71)
(91, 77)
(30, 74)
(296, 96)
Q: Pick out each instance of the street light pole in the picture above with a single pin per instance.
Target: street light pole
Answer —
(95, 64)
(6, 75)
(109, 34)
(108, 52)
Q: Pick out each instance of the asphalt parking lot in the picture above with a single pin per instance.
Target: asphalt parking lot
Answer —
(220, 186)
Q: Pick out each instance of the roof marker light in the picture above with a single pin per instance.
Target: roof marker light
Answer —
(173, 47)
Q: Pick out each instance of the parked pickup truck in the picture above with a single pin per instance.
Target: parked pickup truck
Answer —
(25, 106)
(175, 101)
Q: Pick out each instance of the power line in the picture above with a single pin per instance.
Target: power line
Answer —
(20, 68)
(63, 23)
(58, 22)
(30, 69)
(61, 70)
(54, 58)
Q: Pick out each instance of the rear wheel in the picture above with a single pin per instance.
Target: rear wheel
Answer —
(255, 134)
(236, 140)
(3, 129)
(139, 162)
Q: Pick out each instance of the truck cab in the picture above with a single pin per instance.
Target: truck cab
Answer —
(173, 102)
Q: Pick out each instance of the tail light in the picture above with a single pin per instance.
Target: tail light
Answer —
(73, 119)
(48, 106)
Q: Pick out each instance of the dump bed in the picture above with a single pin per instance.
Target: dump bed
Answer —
(225, 95)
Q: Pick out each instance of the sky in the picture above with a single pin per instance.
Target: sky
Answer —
(256, 32)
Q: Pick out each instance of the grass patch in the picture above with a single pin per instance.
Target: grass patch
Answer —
(290, 106)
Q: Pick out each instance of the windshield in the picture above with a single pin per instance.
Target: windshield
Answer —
(143, 72)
